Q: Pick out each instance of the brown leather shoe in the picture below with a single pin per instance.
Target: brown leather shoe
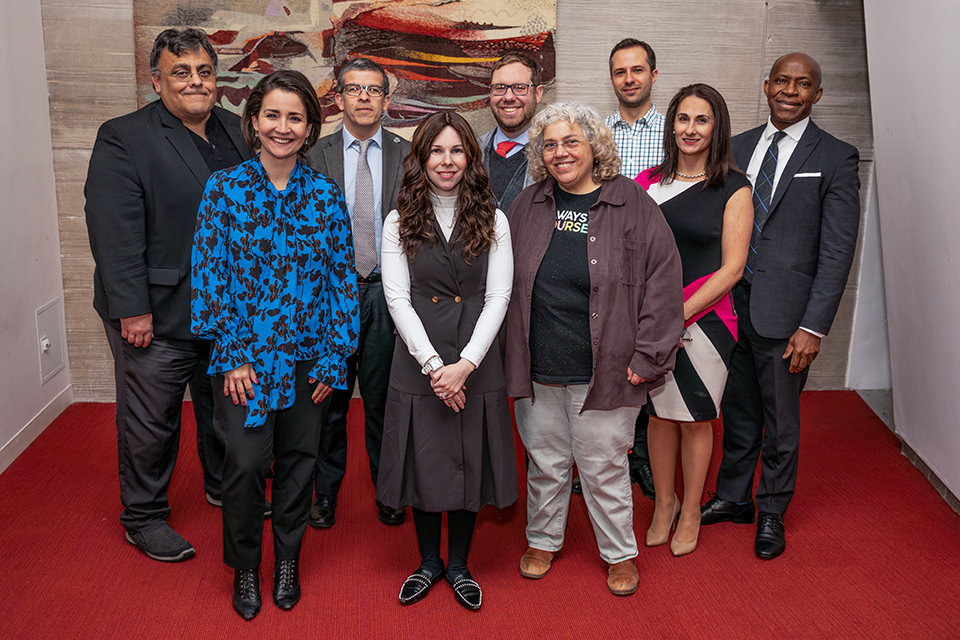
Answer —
(623, 577)
(535, 563)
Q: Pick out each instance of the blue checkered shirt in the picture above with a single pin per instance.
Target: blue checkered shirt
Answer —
(640, 146)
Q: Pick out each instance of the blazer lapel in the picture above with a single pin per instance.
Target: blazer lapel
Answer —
(333, 155)
(806, 145)
(391, 160)
(748, 143)
(179, 137)
(236, 136)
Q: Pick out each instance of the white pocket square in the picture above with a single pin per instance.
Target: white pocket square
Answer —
(808, 175)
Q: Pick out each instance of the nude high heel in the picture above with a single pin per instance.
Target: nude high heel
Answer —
(655, 539)
(678, 548)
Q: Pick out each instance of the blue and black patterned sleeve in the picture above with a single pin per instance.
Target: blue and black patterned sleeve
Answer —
(213, 313)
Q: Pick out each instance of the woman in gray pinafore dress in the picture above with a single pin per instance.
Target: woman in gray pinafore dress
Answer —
(447, 274)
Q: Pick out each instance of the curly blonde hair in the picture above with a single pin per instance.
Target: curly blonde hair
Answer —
(606, 161)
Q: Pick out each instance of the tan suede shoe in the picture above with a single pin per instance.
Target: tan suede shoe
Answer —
(623, 577)
(535, 563)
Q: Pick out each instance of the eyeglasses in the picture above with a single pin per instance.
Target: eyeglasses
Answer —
(519, 89)
(182, 75)
(549, 148)
(373, 90)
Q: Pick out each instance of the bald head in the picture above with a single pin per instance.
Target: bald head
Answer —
(802, 58)
(792, 89)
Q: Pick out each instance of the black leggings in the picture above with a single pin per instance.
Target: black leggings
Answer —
(460, 526)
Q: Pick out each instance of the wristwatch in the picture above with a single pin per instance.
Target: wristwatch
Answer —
(432, 364)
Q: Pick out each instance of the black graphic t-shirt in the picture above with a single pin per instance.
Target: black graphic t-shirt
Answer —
(560, 350)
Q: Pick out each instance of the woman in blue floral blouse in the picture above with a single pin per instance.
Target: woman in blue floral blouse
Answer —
(274, 288)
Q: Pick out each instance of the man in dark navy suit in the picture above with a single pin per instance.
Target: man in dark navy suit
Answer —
(806, 218)
(146, 177)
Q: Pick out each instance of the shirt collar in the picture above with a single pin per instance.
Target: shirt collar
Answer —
(795, 131)
(500, 136)
(348, 138)
(645, 121)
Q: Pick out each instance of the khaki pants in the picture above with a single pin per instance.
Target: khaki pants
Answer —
(556, 435)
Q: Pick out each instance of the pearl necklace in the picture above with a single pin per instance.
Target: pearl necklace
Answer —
(699, 175)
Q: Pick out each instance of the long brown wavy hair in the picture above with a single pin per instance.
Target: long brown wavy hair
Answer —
(476, 206)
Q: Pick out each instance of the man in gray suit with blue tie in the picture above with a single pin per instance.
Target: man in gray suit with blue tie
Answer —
(806, 218)
(366, 161)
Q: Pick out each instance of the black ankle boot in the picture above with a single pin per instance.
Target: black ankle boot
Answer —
(286, 584)
(246, 592)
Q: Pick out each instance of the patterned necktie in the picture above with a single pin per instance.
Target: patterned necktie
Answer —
(364, 231)
(505, 147)
(762, 195)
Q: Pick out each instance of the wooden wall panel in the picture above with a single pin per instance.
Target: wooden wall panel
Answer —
(730, 45)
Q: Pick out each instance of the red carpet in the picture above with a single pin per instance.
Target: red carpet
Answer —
(872, 552)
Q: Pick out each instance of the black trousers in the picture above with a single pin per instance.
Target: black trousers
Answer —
(289, 439)
(761, 417)
(371, 364)
(150, 385)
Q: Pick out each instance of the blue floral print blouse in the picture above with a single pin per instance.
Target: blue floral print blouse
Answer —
(274, 281)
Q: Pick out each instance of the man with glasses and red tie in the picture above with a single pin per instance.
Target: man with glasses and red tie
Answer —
(366, 162)
(146, 178)
(515, 92)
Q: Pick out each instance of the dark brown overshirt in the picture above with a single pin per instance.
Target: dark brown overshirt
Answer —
(636, 298)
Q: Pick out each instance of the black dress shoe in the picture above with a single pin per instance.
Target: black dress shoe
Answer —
(416, 587)
(323, 513)
(576, 487)
(466, 589)
(770, 541)
(719, 510)
(286, 584)
(389, 515)
(643, 476)
(246, 592)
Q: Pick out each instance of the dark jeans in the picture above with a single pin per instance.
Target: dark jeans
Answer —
(289, 439)
(371, 364)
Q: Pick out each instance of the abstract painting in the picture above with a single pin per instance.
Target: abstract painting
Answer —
(437, 53)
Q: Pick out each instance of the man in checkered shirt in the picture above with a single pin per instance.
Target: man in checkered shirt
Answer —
(637, 126)
(638, 130)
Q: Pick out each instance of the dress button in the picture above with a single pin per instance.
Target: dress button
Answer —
(596, 288)
(457, 299)
(435, 299)
(594, 315)
(593, 238)
(593, 262)
(596, 342)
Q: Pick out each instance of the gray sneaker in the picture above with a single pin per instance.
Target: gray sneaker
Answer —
(161, 543)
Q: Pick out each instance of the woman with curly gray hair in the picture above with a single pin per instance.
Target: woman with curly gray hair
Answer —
(593, 325)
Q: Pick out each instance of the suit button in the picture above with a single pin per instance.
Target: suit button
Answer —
(593, 238)
(596, 288)
(596, 342)
(435, 299)
(594, 315)
(593, 262)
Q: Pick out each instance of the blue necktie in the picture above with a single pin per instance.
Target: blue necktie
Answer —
(762, 195)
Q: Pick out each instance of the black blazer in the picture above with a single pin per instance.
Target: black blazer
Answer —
(144, 185)
(809, 238)
(327, 157)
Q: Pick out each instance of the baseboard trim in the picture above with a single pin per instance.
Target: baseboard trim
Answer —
(928, 473)
(19, 443)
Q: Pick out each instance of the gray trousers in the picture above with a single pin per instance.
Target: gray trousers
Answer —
(556, 435)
